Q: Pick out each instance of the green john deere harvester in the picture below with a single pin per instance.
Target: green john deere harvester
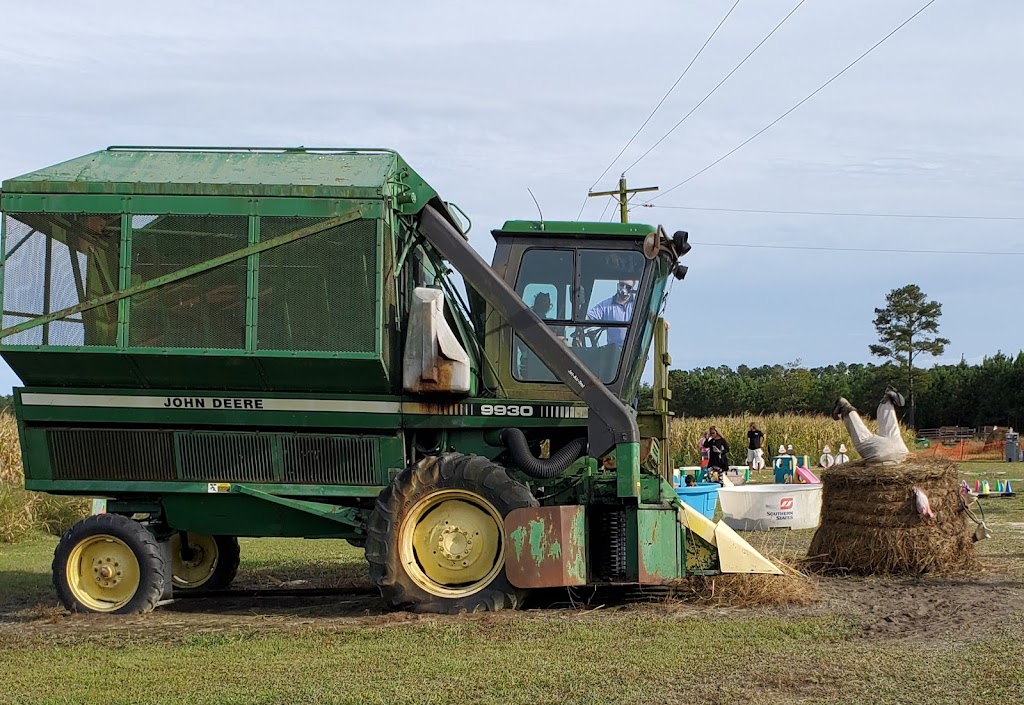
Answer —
(267, 342)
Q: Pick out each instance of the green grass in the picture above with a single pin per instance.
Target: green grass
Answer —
(645, 654)
(25, 572)
(253, 651)
(330, 563)
(993, 471)
(635, 656)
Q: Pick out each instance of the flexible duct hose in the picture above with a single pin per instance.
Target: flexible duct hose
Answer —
(515, 440)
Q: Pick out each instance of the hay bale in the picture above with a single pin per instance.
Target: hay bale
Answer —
(870, 524)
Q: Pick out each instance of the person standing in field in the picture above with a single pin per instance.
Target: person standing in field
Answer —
(755, 448)
(718, 452)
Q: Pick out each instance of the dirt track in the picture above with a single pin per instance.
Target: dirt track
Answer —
(919, 609)
(928, 609)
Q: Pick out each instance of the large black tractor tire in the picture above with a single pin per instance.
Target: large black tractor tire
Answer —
(211, 563)
(109, 564)
(435, 540)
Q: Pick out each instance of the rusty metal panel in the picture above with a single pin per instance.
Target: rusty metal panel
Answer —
(546, 546)
(658, 538)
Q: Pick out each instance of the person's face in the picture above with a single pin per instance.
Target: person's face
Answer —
(753, 427)
(624, 289)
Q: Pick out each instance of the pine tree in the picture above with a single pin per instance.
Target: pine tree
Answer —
(907, 327)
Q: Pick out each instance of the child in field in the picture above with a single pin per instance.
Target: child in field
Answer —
(704, 448)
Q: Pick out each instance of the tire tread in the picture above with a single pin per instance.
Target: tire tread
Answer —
(153, 570)
(449, 470)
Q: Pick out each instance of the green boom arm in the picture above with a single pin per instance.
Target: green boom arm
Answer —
(610, 422)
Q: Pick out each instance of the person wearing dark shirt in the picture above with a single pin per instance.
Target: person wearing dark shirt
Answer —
(755, 452)
(718, 448)
(542, 307)
(542, 304)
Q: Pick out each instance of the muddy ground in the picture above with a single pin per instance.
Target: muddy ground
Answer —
(924, 609)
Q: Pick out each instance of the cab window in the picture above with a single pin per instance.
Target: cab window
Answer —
(588, 296)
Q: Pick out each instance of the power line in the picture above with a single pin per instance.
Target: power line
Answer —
(779, 118)
(658, 106)
(667, 93)
(603, 210)
(840, 214)
(712, 92)
(857, 249)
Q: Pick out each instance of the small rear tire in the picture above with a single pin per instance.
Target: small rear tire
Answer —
(435, 541)
(212, 562)
(109, 564)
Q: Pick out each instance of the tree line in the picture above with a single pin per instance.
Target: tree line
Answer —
(989, 393)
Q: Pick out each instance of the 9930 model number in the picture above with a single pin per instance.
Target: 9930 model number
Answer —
(505, 410)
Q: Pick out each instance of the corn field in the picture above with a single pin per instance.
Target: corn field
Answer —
(21, 512)
(10, 453)
(808, 435)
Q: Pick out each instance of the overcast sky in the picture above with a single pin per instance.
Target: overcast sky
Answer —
(487, 100)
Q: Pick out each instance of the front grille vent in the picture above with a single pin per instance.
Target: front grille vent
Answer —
(93, 454)
(208, 456)
(330, 460)
(222, 457)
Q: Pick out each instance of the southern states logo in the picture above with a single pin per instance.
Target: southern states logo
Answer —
(785, 511)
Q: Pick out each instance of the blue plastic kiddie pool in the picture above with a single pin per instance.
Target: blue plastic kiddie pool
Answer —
(703, 497)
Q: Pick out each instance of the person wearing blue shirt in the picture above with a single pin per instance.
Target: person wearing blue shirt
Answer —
(616, 309)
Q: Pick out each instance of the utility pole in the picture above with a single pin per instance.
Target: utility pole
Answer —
(622, 195)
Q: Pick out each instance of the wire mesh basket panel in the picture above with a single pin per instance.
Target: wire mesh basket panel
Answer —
(206, 310)
(320, 293)
(54, 261)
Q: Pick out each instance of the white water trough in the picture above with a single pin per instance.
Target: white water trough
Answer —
(760, 507)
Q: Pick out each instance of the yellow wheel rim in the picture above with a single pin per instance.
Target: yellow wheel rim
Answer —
(451, 543)
(103, 573)
(199, 568)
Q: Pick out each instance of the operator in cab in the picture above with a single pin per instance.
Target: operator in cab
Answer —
(617, 308)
